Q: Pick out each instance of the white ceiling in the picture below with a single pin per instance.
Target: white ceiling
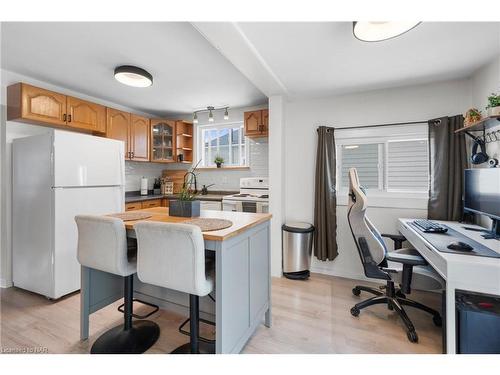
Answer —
(224, 63)
(188, 72)
(318, 59)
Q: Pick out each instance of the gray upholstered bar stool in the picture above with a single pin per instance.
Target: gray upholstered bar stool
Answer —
(173, 256)
(102, 245)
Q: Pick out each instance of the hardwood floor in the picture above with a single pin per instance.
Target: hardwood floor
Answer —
(308, 317)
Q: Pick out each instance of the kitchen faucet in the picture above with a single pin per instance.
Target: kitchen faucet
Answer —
(190, 182)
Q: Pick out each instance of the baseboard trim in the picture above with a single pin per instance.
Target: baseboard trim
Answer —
(5, 283)
(346, 275)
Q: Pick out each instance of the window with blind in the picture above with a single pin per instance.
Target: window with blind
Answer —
(226, 141)
(386, 165)
(366, 158)
(408, 165)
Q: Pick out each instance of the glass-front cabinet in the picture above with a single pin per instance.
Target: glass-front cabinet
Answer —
(163, 141)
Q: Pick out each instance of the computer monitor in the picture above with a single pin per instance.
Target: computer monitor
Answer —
(482, 192)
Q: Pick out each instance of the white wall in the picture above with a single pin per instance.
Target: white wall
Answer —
(11, 130)
(276, 177)
(485, 81)
(413, 103)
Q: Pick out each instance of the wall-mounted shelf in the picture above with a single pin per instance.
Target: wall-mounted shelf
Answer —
(184, 141)
(481, 125)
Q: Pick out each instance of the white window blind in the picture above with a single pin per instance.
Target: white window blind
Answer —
(407, 165)
(366, 159)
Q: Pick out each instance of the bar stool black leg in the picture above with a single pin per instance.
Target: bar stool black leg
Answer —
(133, 337)
(195, 346)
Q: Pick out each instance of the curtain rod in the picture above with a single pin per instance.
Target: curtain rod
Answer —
(437, 121)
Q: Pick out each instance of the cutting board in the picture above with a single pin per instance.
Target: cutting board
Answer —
(177, 176)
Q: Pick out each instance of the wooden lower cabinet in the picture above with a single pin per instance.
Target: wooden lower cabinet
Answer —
(152, 203)
(131, 206)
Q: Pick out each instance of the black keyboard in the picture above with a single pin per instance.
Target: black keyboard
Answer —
(428, 226)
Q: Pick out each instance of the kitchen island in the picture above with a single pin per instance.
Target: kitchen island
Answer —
(242, 279)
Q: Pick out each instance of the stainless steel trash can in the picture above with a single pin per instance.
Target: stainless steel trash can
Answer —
(297, 249)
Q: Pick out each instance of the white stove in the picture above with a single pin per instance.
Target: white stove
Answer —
(253, 196)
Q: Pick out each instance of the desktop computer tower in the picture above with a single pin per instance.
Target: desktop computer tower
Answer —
(478, 323)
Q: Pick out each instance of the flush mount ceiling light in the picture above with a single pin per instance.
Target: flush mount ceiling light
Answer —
(211, 110)
(378, 31)
(133, 76)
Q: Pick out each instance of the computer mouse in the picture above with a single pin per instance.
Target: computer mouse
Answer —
(461, 246)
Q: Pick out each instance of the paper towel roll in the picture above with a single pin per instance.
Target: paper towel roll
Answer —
(144, 186)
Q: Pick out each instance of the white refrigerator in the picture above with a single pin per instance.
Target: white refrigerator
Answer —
(56, 176)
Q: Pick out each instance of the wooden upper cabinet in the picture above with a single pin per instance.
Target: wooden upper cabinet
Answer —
(33, 104)
(256, 123)
(253, 121)
(139, 138)
(163, 141)
(82, 114)
(265, 122)
(118, 127)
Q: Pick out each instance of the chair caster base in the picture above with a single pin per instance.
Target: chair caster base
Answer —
(356, 291)
(203, 347)
(437, 320)
(136, 340)
(355, 311)
(412, 336)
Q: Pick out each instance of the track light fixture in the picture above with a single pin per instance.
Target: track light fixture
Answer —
(211, 110)
(210, 114)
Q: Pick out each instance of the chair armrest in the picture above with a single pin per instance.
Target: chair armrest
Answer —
(411, 260)
(394, 237)
(397, 238)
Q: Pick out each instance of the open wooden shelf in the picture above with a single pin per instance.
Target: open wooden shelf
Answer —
(480, 125)
(184, 141)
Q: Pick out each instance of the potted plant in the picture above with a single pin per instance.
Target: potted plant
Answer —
(218, 161)
(186, 205)
(493, 106)
(472, 115)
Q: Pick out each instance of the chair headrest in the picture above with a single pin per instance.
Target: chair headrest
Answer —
(356, 192)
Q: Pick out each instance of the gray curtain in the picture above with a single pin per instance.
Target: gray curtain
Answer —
(325, 199)
(447, 161)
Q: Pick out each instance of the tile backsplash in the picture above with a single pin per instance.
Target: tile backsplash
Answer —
(134, 171)
(223, 179)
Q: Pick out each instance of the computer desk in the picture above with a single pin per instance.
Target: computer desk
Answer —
(463, 272)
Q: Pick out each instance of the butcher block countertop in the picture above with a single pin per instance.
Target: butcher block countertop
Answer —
(242, 221)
